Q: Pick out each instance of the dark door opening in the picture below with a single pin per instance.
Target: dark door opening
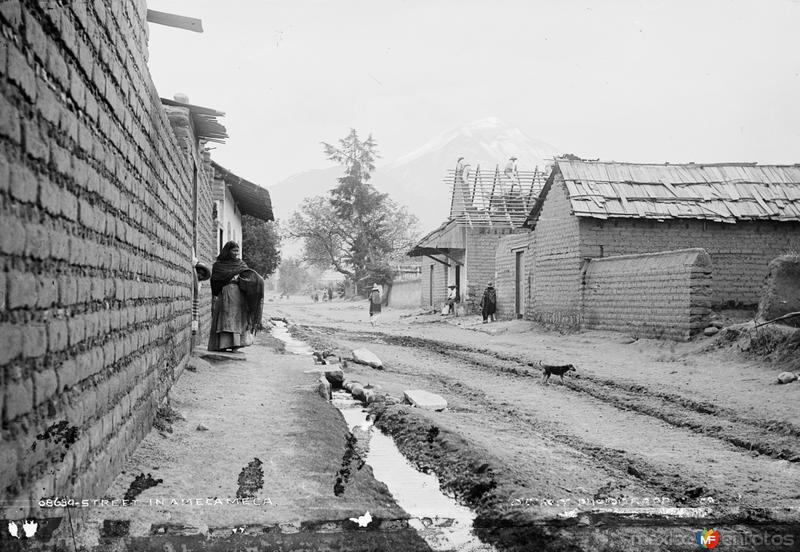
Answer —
(458, 283)
(430, 287)
(519, 304)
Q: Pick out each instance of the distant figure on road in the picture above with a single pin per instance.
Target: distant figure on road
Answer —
(374, 304)
(489, 303)
(511, 173)
(452, 299)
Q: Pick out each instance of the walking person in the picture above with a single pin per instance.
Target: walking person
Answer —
(489, 303)
(374, 304)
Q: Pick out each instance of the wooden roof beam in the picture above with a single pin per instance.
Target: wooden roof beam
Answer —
(172, 20)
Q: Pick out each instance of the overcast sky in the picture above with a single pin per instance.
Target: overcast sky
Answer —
(678, 81)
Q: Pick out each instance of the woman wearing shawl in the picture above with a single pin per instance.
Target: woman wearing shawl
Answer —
(238, 298)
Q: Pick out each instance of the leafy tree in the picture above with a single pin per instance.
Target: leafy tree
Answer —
(260, 245)
(294, 277)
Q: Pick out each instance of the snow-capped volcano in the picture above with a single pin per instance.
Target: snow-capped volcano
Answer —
(486, 142)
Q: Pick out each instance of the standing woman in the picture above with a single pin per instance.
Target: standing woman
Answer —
(229, 309)
(374, 304)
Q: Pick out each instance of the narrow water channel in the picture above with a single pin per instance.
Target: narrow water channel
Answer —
(439, 519)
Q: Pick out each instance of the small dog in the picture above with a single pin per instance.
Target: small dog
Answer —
(549, 369)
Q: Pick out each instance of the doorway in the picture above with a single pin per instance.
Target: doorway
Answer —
(519, 288)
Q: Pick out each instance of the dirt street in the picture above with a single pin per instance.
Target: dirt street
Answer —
(644, 428)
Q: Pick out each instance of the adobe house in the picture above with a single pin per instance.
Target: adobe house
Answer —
(743, 215)
(233, 197)
(485, 206)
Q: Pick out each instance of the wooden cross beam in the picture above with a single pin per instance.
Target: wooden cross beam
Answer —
(172, 20)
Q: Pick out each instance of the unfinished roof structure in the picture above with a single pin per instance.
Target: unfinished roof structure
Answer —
(493, 198)
(726, 192)
(204, 121)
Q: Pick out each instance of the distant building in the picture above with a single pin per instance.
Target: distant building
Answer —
(483, 208)
(233, 197)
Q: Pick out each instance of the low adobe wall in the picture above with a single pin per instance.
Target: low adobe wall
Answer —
(666, 294)
(405, 294)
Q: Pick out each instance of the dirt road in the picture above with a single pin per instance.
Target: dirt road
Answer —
(643, 425)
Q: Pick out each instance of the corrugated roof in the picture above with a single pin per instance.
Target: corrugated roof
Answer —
(251, 198)
(721, 192)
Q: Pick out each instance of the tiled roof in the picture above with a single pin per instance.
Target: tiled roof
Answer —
(719, 192)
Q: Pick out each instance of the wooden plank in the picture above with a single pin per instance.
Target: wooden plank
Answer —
(177, 21)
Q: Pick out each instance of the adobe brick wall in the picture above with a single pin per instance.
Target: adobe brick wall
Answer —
(95, 245)
(665, 294)
(481, 252)
(555, 266)
(740, 253)
(505, 269)
(439, 282)
(405, 293)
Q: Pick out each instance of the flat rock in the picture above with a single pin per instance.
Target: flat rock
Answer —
(324, 388)
(425, 399)
(787, 377)
(335, 377)
(202, 427)
(365, 356)
(717, 324)
(357, 391)
(711, 330)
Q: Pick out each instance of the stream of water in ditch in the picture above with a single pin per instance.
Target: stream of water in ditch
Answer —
(439, 519)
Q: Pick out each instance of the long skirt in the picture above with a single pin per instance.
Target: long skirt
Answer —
(228, 319)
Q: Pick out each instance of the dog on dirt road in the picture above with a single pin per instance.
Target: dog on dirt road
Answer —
(550, 369)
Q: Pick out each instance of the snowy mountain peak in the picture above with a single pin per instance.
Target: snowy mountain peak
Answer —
(486, 141)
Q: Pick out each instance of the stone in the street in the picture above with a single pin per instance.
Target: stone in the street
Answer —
(711, 330)
(324, 387)
(202, 427)
(717, 324)
(425, 400)
(357, 391)
(335, 377)
(369, 396)
(365, 356)
(787, 377)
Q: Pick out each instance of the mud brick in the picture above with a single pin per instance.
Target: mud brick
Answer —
(63, 475)
(45, 385)
(36, 243)
(21, 290)
(35, 146)
(49, 195)
(77, 330)
(10, 120)
(91, 107)
(48, 104)
(67, 373)
(67, 290)
(19, 398)
(11, 338)
(61, 160)
(11, 12)
(59, 245)
(34, 340)
(24, 184)
(84, 288)
(56, 65)
(57, 335)
(12, 235)
(3, 288)
(20, 72)
(46, 291)
(98, 284)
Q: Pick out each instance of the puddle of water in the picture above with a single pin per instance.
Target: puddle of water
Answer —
(440, 520)
(293, 346)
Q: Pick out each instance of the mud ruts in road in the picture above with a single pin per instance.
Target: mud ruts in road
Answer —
(568, 487)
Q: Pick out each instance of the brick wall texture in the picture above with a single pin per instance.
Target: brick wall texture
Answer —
(95, 243)
(652, 295)
(505, 270)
